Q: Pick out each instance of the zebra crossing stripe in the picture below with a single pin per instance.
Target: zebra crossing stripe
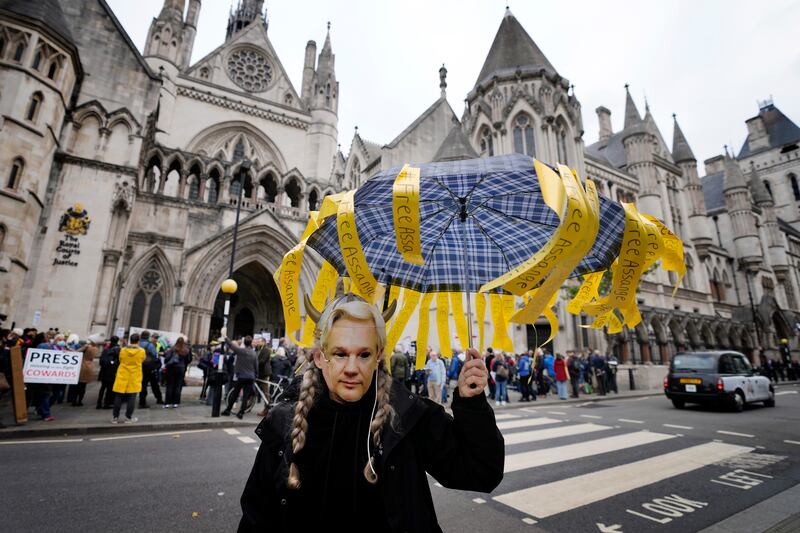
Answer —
(527, 422)
(552, 433)
(505, 416)
(521, 461)
(552, 498)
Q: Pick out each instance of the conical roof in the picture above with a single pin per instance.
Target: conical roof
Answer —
(46, 12)
(512, 48)
(455, 146)
(632, 116)
(758, 190)
(681, 151)
(733, 174)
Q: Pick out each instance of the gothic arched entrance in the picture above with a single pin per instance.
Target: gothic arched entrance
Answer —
(255, 307)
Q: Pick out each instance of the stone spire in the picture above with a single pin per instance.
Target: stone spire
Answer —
(632, 116)
(443, 81)
(734, 178)
(455, 146)
(246, 12)
(740, 210)
(165, 39)
(513, 49)
(680, 146)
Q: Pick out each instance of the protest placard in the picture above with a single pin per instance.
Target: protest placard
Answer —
(52, 366)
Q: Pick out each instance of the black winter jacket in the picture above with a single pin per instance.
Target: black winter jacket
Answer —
(464, 452)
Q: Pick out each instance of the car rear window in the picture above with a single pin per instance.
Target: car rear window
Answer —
(691, 361)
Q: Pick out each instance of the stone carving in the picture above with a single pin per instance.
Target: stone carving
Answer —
(250, 70)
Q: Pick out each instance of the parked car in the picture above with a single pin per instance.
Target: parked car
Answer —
(722, 378)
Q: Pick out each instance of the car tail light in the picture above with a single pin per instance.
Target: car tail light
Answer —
(666, 382)
(720, 385)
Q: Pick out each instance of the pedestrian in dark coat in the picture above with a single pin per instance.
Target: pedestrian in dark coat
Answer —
(354, 444)
(176, 361)
(109, 362)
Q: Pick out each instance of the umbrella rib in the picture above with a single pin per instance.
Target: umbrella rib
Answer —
(484, 206)
(502, 253)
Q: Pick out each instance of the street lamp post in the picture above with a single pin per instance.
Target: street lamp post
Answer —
(229, 287)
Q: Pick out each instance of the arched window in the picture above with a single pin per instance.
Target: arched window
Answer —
(53, 70)
(34, 105)
(768, 187)
(194, 187)
(486, 142)
(270, 186)
(523, 136)
(313, 200)
(688, 278)
(795, 187)
(561, 144)
(204, 73)
(147, 305)
(37, 60)
(2, 45)
(293, 192)
(2, 237)
(15, 175)
(19, 51)
(714, 285)
(355, 173)
(328, 94)
(212, 186)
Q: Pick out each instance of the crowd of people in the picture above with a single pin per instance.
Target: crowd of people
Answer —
(125, 368)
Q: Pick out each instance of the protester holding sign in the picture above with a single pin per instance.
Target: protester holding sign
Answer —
(128, 382)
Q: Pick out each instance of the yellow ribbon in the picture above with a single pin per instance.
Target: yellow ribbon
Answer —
(405, 208)
(672, 258)
(443, 324)
(324, 289)
(410, 300)
(394, 295)
(424, 326)
(480, 315)
(573, 240)
(501, 340)
(362, 280)
(586, 293)
(457, 305)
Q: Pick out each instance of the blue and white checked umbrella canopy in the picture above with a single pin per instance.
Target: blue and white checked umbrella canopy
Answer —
(507, 222)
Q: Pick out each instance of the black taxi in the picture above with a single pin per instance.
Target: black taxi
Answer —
(721, 377)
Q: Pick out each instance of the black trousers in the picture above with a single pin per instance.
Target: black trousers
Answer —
(151, 378)
(573, 380)
(130, 400)
(105, 398)
(525, 387)
(238, 386)
(174, 385)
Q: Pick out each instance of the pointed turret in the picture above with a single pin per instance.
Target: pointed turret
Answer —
(165, 39)
(513, 49)
(734, 178)
(455, 146)
(322, 98)
(632, 116)
(681, 151)
(326, 86)
(246, 13)
(740, 211)
(759, 192)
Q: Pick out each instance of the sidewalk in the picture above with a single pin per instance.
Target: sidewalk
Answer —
(70, 421)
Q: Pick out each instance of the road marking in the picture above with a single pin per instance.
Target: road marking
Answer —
(528, 410)
(521, 461)
(529, 520)
(505, 416)
(553, 498)
(556, 413)
(676, 426)
(247, 440)
(142, 435)
(478, 500)
(551, 433)
(592, 416)
(628, 420)
(49, 441)
(735, 434)
(231, 431)
(512, 424)
(781, 393)
(791, 442)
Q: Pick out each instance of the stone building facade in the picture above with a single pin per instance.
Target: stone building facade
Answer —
(151, 146)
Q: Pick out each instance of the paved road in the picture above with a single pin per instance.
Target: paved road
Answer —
(638, 464)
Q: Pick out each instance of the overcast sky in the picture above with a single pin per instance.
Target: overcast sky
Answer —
(709, 62)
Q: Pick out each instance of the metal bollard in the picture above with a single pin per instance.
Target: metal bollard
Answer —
(631, 382)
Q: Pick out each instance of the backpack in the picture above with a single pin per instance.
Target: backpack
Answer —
(501, 371)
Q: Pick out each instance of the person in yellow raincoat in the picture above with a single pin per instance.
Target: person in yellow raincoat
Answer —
(128, 382)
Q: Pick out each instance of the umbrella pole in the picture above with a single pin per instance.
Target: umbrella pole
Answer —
(464, 258)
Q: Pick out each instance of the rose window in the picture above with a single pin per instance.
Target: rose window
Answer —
(250, 70)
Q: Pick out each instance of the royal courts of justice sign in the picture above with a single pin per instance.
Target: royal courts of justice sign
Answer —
(52, 366)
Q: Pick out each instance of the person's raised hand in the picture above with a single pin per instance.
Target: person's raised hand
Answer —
(474, 376)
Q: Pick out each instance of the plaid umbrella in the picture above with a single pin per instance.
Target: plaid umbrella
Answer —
(506, 221)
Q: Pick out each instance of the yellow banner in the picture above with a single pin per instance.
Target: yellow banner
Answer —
(346, 284)
(394, 295)
(576, 236)
(551, 317)
(672, 258)
(405, 208)
(424, 326)
(443, 324)
(501, 340)
(480, 315)
(410, 300)
(586, 293)
(457, 305)
(324, 289)
(362, 280)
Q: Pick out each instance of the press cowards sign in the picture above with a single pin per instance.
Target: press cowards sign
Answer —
(52, 366)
